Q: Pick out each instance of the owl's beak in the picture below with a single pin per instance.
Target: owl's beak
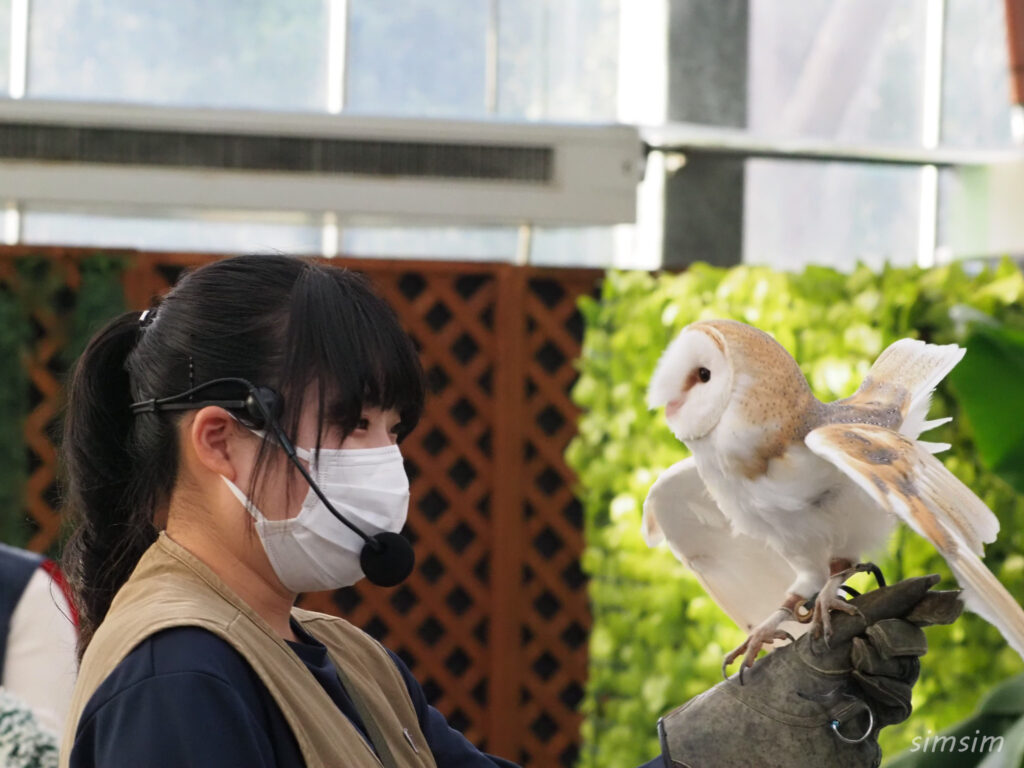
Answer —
(673, 406)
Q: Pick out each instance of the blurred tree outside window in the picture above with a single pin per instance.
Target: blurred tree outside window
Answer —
(261, 54)
(851, 70)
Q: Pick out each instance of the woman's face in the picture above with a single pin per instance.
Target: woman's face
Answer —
(282, 488)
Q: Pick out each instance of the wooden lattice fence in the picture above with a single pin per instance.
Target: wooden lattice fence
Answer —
(494, 620)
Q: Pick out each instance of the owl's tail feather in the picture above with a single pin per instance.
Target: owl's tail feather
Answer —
(916, 368)
(984, 595)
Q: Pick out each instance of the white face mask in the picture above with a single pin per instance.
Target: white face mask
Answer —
(315, 551)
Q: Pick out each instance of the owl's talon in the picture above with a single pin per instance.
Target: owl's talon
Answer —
(873, 569)
(781, 634)
(763, 634)
(829, 600)
(732, 656)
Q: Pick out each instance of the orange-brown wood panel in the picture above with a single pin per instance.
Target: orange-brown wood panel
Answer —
(1015, 41)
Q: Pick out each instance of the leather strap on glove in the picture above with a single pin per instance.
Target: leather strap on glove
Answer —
(811, 703)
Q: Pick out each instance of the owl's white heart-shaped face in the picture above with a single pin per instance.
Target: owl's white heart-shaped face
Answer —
(693, 380)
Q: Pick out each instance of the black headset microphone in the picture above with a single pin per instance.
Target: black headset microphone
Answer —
(387, 558)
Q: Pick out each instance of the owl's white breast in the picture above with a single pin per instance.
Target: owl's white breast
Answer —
(801, 504)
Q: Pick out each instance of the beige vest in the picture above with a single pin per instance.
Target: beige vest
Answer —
(172, 588)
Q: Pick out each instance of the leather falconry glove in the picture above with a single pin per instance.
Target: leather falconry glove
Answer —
(815, 704)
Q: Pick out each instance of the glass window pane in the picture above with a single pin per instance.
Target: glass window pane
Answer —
(207, 232)
(837, 69)
(470, 243)
(5, 46)
(800, 213)
(976, 79)
(573, 246)
(950, 219)
(558, 61)
(268, 54)
(419, 57)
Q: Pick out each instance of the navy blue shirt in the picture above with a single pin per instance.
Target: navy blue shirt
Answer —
(186, 698)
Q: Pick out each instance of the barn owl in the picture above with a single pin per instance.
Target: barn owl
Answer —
(784, 494)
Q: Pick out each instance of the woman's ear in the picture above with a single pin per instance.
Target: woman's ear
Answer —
(213, 438)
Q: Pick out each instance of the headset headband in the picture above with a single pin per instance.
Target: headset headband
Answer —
(263, 405)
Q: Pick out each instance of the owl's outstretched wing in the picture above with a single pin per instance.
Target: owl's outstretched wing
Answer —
(904, 478)
(744, 576)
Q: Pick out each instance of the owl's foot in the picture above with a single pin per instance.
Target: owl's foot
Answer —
(874, 570)
(765, 633)
(828, 598)
(847, 568)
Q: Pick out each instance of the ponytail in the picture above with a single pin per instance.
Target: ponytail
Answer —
(111, 528)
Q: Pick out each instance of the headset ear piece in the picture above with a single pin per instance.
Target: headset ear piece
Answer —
(260, 403)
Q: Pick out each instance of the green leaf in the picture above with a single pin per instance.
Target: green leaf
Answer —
(989, 382)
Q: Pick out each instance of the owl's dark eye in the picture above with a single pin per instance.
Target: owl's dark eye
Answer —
(704, 375)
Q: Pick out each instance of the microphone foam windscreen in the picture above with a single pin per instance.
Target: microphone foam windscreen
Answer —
(391, 562)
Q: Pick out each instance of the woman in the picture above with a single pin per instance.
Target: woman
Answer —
(200, 660)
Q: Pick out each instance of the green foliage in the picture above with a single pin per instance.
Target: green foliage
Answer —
(38, 289)
(14, 388)
(988, 385)
(658, 639)
(33, 286)
(100, 298)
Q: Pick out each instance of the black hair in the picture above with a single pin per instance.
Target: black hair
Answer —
(278, 321)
